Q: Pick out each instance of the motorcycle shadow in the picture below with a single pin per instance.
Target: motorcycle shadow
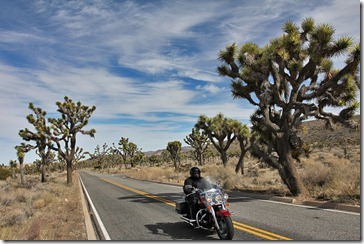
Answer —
(181, 231)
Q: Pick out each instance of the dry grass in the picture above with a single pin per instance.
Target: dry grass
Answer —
(41, 211)
(332, 178)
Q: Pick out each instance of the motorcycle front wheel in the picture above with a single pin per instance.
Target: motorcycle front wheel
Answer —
(226, 228)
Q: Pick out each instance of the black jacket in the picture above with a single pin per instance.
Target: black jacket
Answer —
(200, 183)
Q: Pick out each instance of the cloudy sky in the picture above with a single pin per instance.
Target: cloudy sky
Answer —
(148, 66)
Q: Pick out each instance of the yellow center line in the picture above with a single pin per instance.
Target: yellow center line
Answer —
(259, 232)
(237, 225)
(166, 201)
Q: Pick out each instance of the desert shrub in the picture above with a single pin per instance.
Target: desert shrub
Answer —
(252, 172)
(21, 197)
(317, 175)
(335, 179)
(14, 217)
(43, 199)
(4, 173)
(38, 203)
(6, 200)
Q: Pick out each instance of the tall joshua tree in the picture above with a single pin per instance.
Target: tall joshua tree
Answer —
(200, 142)
(74, 117)
(290, 80)
(41, 136)
(220, 131)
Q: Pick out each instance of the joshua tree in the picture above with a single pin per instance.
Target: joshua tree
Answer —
(41, 136)
(20, 152)
(290, 80)
(134, 154)
(74, 117)
(174, 148)
(139, 157)
(243, 136)
(200, 142)
(129, 150)
(13, 165)
(154, 160)
(123, 149)
(100, 155)
(220, 132)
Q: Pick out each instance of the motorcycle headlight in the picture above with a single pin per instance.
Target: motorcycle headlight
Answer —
(208, 198)
(218, 198)
(226, 196)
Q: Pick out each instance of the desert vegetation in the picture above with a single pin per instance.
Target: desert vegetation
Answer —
(36, 211)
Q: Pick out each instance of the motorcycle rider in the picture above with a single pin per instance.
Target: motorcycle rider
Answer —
(194, 181)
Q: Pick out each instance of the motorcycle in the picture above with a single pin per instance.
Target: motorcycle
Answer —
(212, 213)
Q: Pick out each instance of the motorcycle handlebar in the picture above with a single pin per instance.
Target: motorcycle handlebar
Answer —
(197, 190)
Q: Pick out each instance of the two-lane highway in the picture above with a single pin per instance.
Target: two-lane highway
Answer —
(139, 210)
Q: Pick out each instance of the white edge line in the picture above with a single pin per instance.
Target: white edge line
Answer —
(299, 205)
(103, 229)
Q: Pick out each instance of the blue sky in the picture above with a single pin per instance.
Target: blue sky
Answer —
(148, 66)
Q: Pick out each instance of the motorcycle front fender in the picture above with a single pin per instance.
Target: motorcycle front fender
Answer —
(223, 213)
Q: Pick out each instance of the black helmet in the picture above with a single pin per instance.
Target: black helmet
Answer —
(195, 170)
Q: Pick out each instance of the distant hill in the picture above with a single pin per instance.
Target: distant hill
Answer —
(158, 152)
(314, 132)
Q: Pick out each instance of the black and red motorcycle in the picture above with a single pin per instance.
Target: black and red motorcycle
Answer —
(212, 214)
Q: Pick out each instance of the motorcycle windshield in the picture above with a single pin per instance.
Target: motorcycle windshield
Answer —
(204, 185)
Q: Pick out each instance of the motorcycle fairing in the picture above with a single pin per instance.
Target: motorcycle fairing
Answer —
(223, 213)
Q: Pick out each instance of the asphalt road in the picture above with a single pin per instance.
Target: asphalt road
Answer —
(139, 210)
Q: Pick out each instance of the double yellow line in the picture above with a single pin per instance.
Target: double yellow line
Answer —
(259, 232)
(237, 225)
(141, 192)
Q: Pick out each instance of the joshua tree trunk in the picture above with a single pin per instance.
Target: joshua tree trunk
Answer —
(69, 172)
(240, 165)
(21, 166)
(223, 156)
(42, 169)
(287, 169)
(200, 159)
(244, 147)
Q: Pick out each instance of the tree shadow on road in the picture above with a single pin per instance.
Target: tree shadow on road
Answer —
(181, 231)
(176, 196)
(148, 199)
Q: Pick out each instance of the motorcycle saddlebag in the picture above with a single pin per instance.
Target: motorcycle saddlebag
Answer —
(181, 206)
